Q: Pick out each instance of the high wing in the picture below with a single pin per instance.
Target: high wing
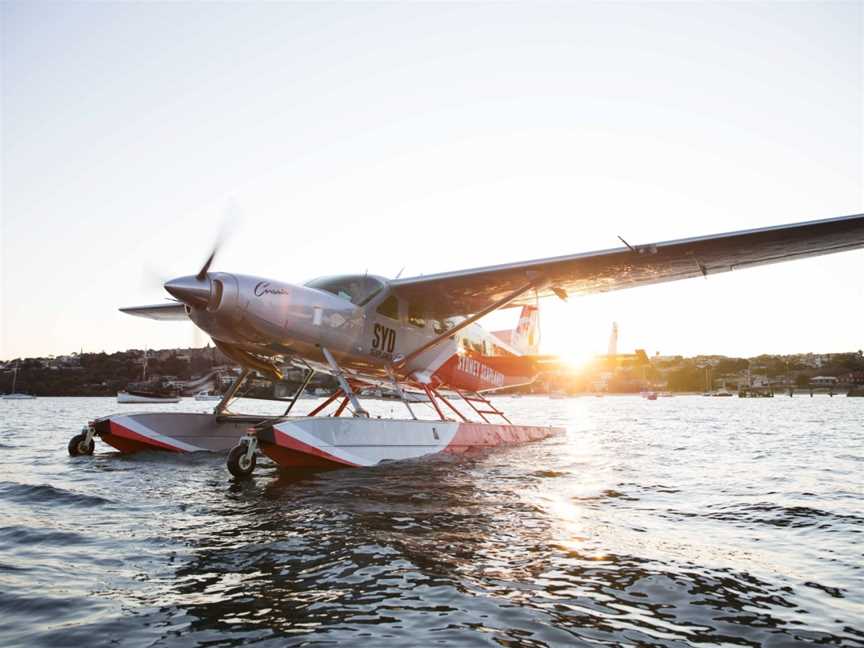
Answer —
(170, 311)
(466, 292)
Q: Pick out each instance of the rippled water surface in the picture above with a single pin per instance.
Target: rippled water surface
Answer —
(682, 521)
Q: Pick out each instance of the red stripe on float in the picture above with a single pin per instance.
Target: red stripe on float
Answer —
(124, 432)
(284, 440)
(478, 435)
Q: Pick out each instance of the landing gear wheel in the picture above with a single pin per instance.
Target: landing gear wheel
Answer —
(78, 445)
(239, 464)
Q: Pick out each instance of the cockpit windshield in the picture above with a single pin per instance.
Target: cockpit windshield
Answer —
(358, 289)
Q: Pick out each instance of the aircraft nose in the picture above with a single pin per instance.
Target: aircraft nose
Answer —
(190, 290)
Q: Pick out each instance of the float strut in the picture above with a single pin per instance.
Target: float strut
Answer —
(223, 404)
(431, 398)
(400, 392)
(329, 400)
(344, 384)
(309, 374)
(451, 406)
(341, 407)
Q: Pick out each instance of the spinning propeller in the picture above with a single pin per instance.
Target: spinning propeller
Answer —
(199, 290)
(195, 290)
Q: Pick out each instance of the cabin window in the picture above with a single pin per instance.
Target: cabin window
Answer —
(389, 308)
(415, 316)
(358, 289)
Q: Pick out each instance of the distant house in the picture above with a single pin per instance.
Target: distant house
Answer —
(823, 381)
(759, 380)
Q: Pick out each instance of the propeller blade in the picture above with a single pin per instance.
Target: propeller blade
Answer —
(203, 271)
(228, 222)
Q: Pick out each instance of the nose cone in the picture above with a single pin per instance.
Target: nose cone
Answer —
(190, 290)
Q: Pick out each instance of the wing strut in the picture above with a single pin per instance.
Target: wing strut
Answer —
(466, 322)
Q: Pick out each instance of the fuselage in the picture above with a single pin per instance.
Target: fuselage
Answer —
(358, 319)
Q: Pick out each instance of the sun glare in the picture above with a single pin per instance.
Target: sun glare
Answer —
(575, 348)
(576, 358)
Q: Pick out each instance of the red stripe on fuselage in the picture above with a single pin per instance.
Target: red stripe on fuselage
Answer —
(475, 372)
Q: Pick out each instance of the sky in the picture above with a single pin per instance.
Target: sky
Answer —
(342, 138)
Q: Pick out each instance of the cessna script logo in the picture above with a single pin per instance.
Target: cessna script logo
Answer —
(263, 288)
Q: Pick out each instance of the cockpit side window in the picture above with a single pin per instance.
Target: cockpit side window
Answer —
(415, 315)
(358, 289)
(389, 308)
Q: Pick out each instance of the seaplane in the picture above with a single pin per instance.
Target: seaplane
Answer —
(416, 334)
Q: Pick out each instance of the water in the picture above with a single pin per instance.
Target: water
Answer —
(683, 521)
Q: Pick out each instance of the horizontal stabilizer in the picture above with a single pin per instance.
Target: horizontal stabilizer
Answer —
(170, 311)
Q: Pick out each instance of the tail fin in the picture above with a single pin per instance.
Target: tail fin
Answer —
(526, 337)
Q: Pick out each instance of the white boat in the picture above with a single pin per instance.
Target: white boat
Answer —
(146, 393)
(207, 395)
(14, 395)
(126, 397)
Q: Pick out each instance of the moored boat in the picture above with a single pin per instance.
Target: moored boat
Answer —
(207, 395)
(153, 391)
(16, 395)
(145, 397)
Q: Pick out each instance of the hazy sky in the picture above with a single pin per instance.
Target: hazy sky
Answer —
(430, 136)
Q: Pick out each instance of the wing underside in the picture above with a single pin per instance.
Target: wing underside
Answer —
(470, 291)
(170, 311)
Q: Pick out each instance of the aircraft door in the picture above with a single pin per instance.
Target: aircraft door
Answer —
(383, 328)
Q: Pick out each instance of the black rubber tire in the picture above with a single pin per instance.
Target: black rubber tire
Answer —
(238, 465)
(77, 447)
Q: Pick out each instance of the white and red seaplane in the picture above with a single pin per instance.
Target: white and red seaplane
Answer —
(418, 333)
